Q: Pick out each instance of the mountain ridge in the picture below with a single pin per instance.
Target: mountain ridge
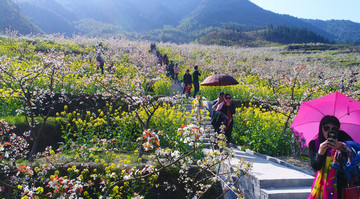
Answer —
(156, 19)
(12, 18)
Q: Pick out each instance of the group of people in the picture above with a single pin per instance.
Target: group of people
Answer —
(189, 80)
(328, 154)
(172, 69)
(331, 152)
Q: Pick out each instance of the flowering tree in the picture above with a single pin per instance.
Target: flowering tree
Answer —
(23, 79)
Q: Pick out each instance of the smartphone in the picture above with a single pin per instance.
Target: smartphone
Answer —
(332, 134)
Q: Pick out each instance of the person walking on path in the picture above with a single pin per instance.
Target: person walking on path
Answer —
(165, 60)
(101, 62)
(171, 69)
(187, 83)
(224, 109)
(176, 73)
(195, 76)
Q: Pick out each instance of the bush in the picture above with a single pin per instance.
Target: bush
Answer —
(260, 130)
(110, 123)
(162, 86)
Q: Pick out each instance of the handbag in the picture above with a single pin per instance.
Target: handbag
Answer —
(351, 191)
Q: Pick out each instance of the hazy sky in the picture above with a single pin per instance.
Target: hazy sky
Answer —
(314, 9)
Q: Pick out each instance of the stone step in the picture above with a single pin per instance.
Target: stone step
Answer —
(286, 193)
(288, 182)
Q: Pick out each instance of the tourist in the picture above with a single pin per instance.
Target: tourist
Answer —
(101, 63)
(195, 76)
(220, 98)
(176, 73)
(165, 60)
(224, 109)
(322, 150)
(171, 69)
(187, 83)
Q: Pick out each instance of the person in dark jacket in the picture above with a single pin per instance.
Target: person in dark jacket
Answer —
(322, 150)
(224, 109)
(187, 83)
(170, 69)
(101, 62)
(195, 76)
(165, 60)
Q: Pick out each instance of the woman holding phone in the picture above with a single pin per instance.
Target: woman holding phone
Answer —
(323, 151)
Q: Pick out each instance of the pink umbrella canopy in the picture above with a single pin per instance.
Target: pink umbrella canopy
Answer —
(306, 123)
(219, 80)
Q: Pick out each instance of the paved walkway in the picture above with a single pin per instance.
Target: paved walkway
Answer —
(176, 89)
(270, 178)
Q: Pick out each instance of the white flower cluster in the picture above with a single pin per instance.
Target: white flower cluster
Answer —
(191, 135)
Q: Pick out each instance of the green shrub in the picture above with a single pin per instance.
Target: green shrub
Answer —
(162, 86)
(260, 130)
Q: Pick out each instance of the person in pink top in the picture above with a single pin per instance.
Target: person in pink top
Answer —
(176, 73)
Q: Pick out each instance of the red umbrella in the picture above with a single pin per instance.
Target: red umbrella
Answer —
(219, 80)
(347, 110)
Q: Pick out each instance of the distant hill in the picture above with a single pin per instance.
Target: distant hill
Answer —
(12, 18)
(241, 13)
(270, 36)
(50, 16)
(230, 37)
(169, 20)
(129, 15)
(345, 30)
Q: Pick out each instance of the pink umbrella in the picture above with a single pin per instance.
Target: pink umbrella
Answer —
(347, 110)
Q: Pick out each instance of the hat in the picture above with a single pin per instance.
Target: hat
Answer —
(221, 93)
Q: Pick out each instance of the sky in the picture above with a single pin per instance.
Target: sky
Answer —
(314, 9)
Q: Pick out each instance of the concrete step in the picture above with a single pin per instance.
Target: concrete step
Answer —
(288, 182)
(286, 193)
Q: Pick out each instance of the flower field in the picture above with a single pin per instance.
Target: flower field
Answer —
(121, 130)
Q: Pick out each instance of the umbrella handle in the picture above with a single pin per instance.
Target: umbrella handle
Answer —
(348, 107)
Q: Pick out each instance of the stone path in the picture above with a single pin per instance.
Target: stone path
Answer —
(175, 89)
(270, 178)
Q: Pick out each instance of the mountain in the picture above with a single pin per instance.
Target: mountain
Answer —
(130, 15)
(169, 20)
(241, 13)
(344, 29)
(45, 12)
(12, 18)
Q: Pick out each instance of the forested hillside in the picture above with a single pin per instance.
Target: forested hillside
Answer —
(12, 18)
(287, 35)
